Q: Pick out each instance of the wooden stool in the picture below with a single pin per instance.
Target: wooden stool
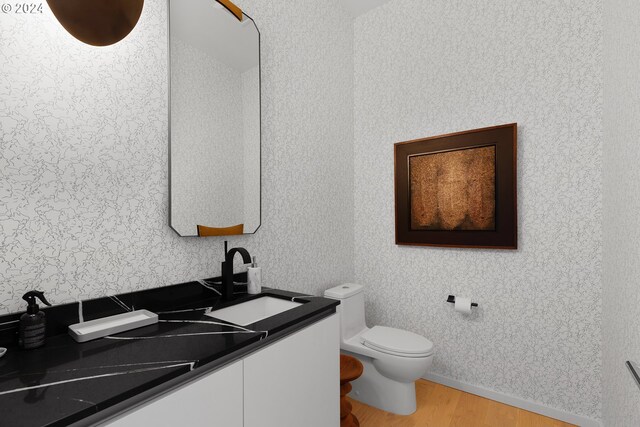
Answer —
(350, 369)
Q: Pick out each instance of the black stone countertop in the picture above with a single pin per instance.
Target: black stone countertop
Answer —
(66, 382)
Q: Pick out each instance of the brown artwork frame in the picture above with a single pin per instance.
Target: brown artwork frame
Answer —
(499, 230)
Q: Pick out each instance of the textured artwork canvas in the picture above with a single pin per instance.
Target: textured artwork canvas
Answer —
(453, 190)
(458, 189)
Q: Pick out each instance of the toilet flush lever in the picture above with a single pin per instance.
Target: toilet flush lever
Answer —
(452, 299)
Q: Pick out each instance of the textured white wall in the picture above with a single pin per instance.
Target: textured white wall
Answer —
(430, 67)
(83, 157)
(621, 270)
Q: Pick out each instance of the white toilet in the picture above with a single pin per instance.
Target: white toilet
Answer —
(393, 359)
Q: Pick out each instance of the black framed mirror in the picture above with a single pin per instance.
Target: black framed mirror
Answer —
(214, 119)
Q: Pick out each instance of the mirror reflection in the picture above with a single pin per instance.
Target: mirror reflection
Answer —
(214, 120)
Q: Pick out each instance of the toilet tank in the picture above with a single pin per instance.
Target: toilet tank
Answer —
(351, 308)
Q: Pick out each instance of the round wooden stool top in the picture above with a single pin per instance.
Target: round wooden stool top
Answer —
(350, 369)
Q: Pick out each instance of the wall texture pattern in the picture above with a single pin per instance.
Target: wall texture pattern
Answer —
(621, 271)
(465, 65)
(83, 158)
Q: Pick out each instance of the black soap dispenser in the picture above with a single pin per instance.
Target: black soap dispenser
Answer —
(33, 322)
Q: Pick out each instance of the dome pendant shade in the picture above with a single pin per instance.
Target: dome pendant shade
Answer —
(97, 22)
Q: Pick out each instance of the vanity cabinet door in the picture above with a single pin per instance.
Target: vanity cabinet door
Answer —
(296, 380)
(214, 400)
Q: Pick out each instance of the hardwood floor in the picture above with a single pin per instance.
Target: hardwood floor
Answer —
(441, 406)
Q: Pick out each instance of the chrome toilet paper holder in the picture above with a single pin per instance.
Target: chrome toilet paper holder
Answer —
(452, 299)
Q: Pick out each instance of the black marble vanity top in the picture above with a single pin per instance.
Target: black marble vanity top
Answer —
(66, 383)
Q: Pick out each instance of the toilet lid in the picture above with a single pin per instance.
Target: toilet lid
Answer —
(396, 341)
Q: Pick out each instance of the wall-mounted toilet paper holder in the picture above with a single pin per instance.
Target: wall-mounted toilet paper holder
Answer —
(452, 299)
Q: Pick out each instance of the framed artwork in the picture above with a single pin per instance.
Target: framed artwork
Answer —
(458, 190)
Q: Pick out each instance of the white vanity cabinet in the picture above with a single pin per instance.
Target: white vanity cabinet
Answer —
(294, 381)
(213, 400)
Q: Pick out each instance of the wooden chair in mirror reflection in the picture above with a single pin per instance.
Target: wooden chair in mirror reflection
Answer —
(204, 231)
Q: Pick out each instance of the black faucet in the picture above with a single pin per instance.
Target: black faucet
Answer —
(227, 269)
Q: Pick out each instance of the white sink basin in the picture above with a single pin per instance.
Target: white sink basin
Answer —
(252, 311)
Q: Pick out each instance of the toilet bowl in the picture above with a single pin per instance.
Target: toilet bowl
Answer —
(393, 359)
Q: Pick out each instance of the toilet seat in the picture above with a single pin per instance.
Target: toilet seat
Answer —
(396, 342)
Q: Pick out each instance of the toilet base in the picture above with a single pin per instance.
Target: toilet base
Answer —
(374, 389)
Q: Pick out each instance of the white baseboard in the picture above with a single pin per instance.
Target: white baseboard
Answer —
(518, 402)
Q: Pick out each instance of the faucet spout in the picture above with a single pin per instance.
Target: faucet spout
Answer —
(227, 270)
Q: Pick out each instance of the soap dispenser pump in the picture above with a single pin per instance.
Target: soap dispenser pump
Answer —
(254, 278)
(33, 322)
